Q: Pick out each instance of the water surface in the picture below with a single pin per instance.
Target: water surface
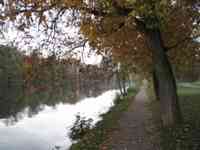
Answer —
(47, 127)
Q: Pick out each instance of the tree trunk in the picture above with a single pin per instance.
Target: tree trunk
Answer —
(119, 82)
(165, 83)
(155, 85)
(124, 84)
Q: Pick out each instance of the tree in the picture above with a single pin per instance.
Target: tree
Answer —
(10, 69)
(148, 34)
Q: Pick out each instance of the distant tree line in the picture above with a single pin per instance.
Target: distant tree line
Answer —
(34, 80)
(38, 73)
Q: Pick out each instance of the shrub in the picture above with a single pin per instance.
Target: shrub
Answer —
(80, 128)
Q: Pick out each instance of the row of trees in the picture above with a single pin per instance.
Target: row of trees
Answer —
(34, 72)
(11, 71)
(34, 80)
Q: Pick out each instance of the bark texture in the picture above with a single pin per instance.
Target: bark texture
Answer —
(165, 85)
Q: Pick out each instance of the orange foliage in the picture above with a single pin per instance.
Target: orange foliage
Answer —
(108, 27)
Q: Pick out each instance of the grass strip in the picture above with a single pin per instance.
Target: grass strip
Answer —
(185, 136)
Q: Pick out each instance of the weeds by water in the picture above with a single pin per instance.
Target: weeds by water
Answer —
(80, 128)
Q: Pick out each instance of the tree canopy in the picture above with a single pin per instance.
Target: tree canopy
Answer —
(118, 25)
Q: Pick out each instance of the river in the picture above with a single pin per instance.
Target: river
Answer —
(48, 129)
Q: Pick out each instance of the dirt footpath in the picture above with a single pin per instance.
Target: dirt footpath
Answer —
(134, 128)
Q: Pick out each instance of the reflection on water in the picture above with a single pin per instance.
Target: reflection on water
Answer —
(43, 127)
(15, 101)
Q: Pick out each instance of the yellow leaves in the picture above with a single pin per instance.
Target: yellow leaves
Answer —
(89, 30)
(114, 34)
(28, 14)
(72, 3)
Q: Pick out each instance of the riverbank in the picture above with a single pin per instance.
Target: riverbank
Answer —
(94, 139)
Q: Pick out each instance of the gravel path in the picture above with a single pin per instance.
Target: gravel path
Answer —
(134, 128)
